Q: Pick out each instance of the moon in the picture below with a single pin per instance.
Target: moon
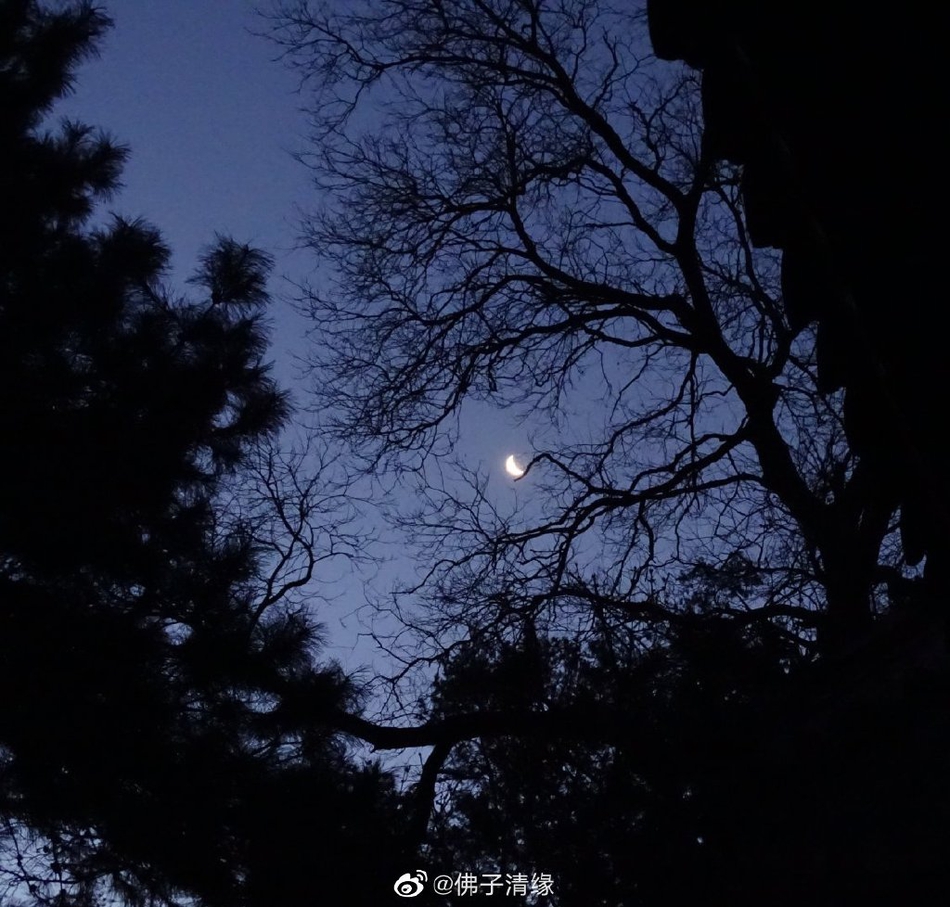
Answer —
(512, 467)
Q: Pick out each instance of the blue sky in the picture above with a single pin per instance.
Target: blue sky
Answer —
(212, 117)
(211, 120)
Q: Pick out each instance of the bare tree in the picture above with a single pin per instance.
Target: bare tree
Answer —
(518, 200)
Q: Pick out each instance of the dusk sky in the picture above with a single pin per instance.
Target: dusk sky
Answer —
(212, 119)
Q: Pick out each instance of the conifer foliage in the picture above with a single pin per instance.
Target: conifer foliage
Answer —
(160, 730)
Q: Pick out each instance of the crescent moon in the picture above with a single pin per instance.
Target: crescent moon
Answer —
(512, 468)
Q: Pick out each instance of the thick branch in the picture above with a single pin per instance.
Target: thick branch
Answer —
(589, 724)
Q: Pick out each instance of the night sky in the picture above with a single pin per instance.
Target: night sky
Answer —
(212, 118)
(211, 122)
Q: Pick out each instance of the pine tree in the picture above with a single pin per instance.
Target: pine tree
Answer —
(160, 729)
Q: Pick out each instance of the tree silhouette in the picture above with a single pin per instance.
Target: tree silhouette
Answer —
(632, 817)
(722, 766)
(790, 93)
(165, 731)
(536, 203)
(541, 200)
(518, 196)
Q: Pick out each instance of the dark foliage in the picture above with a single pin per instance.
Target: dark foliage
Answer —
(795, 93)
(163, 730)
(734, 772)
